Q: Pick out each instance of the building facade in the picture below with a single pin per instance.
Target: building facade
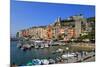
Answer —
(60, 29)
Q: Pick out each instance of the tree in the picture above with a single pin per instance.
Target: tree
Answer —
(17, 34)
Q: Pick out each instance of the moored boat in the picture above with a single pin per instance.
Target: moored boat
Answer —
(19, 45)
(51, 61)
(46, 44)
(45, 61)
(59, 50)
(65, 56)
(36, 62)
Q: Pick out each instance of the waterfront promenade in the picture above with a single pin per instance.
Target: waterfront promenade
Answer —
(89, 57)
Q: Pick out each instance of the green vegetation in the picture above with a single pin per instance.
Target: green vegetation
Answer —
(91, 19)
(90, 35)
(17, 34)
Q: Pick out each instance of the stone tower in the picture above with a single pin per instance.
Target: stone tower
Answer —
(78, 20)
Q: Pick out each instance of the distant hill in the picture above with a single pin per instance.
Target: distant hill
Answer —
(91, 19)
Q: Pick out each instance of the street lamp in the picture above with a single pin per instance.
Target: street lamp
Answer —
(67, 48)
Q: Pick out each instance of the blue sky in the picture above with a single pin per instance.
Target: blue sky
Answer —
(28, 14)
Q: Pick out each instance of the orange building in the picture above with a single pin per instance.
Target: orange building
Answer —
(49, 32)
(25, 33)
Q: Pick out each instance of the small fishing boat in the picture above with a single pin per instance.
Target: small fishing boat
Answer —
(59, 50)
(25, 47)
(19, 45)
(31, 45)
(51, 61)
(58, 59)
(45, 61)
(46, 45)
(36, 62)
(41, 45)
(37, 44)
(69, 55)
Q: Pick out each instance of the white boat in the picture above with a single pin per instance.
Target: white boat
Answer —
(42, 46)
(31, 45)
(45, 61)
(51, 61)
(27, 46)
(46, 45)
(19, 45)
(22, 48)
(59, 50)
(50, 43)
(39, 43)
(36, 46)
(65, 56)
(36, 62)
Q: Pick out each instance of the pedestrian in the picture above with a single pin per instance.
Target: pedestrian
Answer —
(81, 54)
(77, 55)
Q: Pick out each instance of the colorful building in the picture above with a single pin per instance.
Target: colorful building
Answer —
(66, 28)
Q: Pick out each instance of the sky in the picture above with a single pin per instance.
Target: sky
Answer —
(29, 14)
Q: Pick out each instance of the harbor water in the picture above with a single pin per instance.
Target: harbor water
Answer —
(20, 57)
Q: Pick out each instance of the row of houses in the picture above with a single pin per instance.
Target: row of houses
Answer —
(63, 29)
